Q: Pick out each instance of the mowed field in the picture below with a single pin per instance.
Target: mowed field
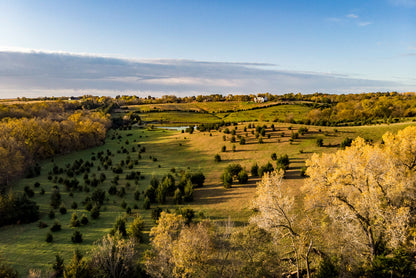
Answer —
(211, 112)
(24, 246)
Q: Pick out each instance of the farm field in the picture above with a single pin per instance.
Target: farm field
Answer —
(216, 112)
(165, 150)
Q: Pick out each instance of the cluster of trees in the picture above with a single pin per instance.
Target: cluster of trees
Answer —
(23, 141)
(181, 191)
(234, 172)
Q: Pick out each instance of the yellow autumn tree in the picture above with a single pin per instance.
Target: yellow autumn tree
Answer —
(278, 213)
(366, 193)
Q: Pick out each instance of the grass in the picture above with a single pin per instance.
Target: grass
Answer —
(24, 246)
(280, 113)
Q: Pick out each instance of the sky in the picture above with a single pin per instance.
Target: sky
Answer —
(53, 48)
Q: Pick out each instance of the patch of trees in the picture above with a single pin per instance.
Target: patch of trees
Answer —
(17, 209)
(180, 191)
(234, 172)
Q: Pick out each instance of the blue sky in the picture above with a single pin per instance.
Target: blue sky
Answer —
(192, 47)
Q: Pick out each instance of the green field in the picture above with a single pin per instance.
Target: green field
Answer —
(24, 246)
(175, 114)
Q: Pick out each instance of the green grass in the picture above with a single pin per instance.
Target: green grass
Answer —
(268, 114)
(24, 246)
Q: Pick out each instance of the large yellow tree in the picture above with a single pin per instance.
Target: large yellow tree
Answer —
(366, 193)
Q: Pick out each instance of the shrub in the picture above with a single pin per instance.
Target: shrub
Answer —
(95, 212)
(55, 227)
(74, 205)
(123, 204)
(146, 203)
(75, 221)
(242, 177)
(319, 142)
(137, 194)
(62, 209)
(76, 237)
(84, 219)
(198, 179)
(217, 158)
(112, 190)
(156, 213)
(346, 143)
(29, 191)
(255, 170)
(119, 227)
(177, 196)
(265, 168)
(273, 156)
(55, 198)
(42, 224)
(283, 162)
(49, 237)
(136, 229)
(227, 179)
(234, 169)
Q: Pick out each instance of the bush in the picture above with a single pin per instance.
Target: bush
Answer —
(319, 142)
(95, 212)
(223, 148)
(42, 224)
(84, 219)
(242, 177)
(62, 209)
(55, 198)
(156, 213)
(136, 229)
(75, 221)
(198, 179)
(74, 205)
(234, 169)
(76, 237)
(255, 170)
(283, 162)
(146, 203)
(137, 194)
(17, 209)
(119, 227)
(227, 179)
(29, 191)
(346, 143)
(217, 158)
(265, 168)
(49, 237)
(55, 227)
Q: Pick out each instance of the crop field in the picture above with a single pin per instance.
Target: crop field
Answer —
(157, 152)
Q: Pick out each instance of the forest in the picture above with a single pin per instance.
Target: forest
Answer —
(327, 192)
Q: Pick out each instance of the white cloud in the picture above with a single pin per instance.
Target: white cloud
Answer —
(364, 23)
(352, 16)
(40, 73)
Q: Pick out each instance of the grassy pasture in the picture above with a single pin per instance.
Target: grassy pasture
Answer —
(210, 107)
(268, 114)
(24, 246)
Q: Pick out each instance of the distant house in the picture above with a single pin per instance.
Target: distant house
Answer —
(260, 99)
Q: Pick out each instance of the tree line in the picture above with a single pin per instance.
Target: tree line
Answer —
(24, 141)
